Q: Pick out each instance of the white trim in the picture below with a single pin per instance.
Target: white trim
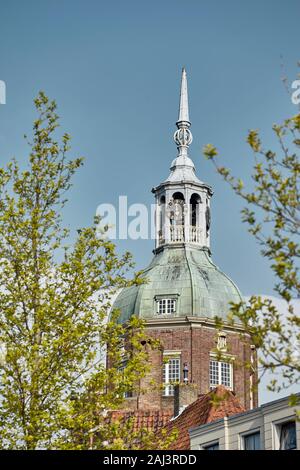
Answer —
(168, 388)
(220, 355)
(209, 444)
(276, 429)
(168, 352)
(249, 432)
(166, 306)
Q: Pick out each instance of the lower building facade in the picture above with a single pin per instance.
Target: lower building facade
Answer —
(272, 426)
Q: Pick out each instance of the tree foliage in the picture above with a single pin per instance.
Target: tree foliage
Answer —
(272, 214)
(54, 301)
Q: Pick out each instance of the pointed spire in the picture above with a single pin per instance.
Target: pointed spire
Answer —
(182, 167)
(184, 101)
(183, 136)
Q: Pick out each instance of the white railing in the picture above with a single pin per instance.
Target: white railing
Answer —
(194, 234)
(178, 235)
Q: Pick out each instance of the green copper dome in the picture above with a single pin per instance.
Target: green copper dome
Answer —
(186, 274)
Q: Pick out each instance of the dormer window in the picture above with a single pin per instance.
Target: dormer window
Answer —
(165, 306)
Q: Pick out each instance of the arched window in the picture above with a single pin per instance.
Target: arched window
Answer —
(178, 196)
(195, 200)
(162, 203)
(177, 209)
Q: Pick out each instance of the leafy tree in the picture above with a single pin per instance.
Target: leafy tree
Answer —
(54, 300)
(272, 213)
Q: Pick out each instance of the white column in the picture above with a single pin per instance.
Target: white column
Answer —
(156, 222)
(201, 219)
(167, 219)
(207, 238)
(187, 215)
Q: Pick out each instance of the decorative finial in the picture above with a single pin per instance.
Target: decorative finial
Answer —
(183, 136)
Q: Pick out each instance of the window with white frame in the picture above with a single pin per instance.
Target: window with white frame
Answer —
(220, 373)
(287, 436)
(127, 393)
(213, 446)
(171, 374)
(252, 441)
(165, 306)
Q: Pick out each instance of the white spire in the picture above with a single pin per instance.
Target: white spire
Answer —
(183, 115)
(182, 167)
(183, 136)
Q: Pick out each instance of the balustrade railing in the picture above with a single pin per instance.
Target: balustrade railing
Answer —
(194, 234)
(178, 235)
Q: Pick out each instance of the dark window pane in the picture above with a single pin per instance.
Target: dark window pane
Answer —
(212, 447)
(288, 436)
(252, 441)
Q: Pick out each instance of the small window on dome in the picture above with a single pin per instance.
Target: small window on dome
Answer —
(165, 306)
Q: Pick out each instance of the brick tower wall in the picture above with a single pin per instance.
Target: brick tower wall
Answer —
(195, 343)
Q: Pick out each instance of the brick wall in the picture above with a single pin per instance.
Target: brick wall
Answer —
(195, 343)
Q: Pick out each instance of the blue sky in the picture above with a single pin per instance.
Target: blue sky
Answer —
(114, 69)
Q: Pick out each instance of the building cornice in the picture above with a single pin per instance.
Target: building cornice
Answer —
(182, 245)
(192, 322)
(183, 184)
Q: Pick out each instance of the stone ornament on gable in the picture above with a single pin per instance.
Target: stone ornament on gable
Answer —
(222, 342)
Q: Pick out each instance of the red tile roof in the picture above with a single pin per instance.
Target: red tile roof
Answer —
(152, 420)
(214, 405)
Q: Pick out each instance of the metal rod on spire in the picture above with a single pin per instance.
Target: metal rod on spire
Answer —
(184, 101)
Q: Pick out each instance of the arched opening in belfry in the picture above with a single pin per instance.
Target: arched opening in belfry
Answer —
(162, 203)
(177, 209)
(194, 229)
(176, 215)
(195, 200)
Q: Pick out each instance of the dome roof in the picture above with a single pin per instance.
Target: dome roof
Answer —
(183, 169)
(189, 275)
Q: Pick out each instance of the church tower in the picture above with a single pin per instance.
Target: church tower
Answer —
(184, 293)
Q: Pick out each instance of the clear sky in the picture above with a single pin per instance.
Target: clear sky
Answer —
(114, 69)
